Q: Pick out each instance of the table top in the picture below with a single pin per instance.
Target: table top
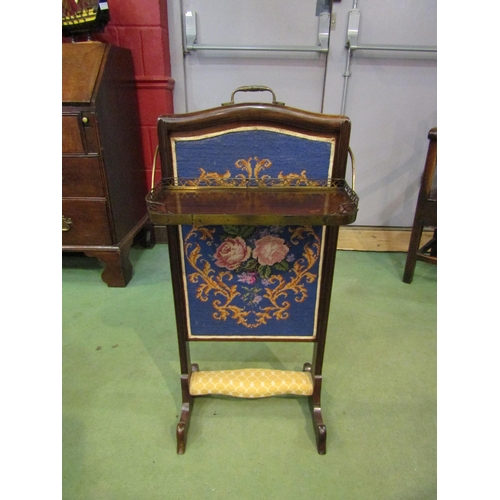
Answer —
(328, 202)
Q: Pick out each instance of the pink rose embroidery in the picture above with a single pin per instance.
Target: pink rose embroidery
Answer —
(269, 250)
(232, 253)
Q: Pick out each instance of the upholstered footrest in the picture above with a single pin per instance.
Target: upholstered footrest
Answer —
(250, 383)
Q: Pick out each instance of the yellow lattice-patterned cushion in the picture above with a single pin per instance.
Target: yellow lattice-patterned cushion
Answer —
(250, 383)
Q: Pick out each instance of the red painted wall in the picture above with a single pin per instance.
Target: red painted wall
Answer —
(142, 27)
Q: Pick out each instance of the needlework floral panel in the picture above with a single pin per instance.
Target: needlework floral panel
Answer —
(252, 281)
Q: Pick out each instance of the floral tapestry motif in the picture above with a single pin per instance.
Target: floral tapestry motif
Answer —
(251, 280)
(253, 275)
(252, 169)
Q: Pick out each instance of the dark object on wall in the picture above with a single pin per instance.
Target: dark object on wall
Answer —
(425, 214)
(252, 196)
(103, 180)
(84, 18)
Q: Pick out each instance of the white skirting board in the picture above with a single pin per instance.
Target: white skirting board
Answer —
(377, 239)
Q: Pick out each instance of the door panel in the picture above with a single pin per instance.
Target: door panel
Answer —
(211, 76)
(391, 97)
(391, 100)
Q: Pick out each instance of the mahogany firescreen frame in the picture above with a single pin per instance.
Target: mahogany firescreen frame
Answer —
(252, 197)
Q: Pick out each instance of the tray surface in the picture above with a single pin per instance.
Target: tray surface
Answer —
(252, 201)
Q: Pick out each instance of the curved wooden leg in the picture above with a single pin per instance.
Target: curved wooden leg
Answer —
(317, 417)
(411, 257)
(183, 427)
(319, 429)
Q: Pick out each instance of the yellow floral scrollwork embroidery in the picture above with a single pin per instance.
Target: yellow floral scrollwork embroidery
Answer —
(252, 169)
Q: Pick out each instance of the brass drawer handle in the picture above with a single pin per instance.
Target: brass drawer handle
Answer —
(66, 223)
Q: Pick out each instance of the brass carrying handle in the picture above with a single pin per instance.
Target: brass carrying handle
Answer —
(66, 223)
(353, 168)
(253, 88)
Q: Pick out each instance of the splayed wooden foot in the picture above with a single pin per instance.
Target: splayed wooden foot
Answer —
(320, 430)
(182, 429)
(315, 406)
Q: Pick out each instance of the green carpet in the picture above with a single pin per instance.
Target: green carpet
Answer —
(121, 393)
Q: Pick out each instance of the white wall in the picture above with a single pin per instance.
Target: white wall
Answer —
(391, 97)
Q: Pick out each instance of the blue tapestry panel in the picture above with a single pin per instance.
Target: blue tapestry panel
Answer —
(253, 152)
(251, 281)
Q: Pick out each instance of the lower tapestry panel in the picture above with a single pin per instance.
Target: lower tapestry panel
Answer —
(252, 281)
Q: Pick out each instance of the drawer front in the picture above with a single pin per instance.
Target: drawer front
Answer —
(79, 133)
(86, 222)
(82, 177)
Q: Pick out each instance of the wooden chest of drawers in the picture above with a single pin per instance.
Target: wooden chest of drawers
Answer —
(103, 179)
